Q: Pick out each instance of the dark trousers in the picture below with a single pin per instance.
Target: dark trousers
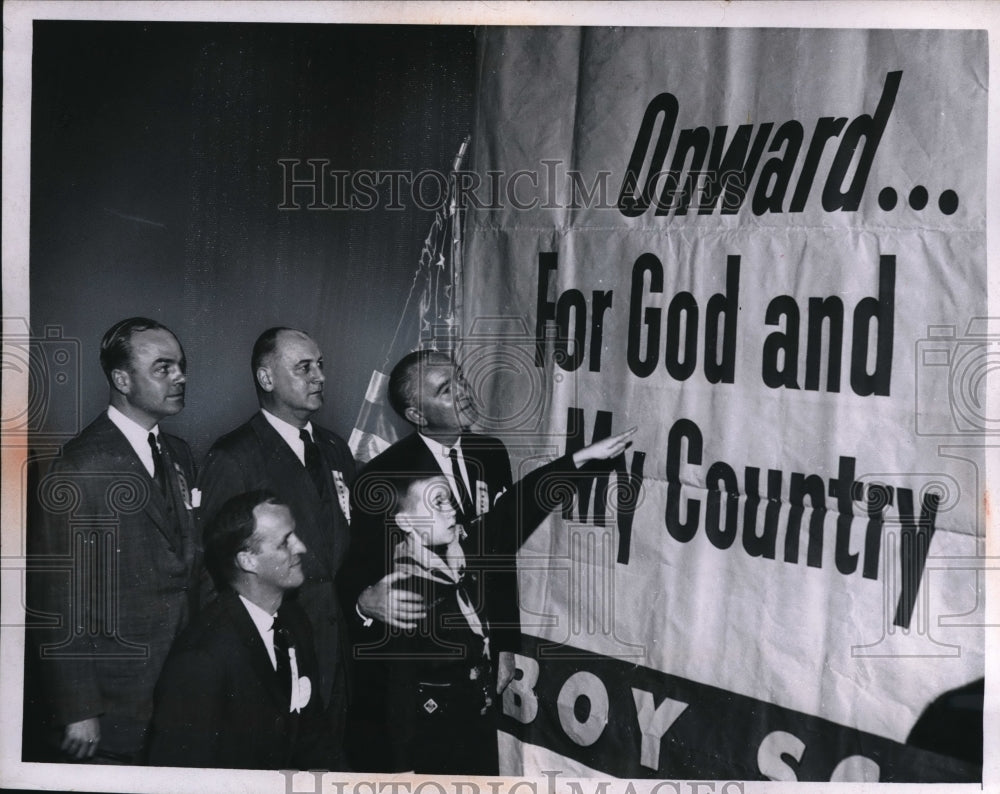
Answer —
(456, 737)
(336, 713)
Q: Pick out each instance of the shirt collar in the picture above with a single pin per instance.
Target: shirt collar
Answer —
(131, 428)
(136, 435)
(439, 449)
(263, 620)
(287, 431)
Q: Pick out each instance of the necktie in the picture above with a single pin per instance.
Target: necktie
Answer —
(468, 513)
(313, 463)
(283, 668)
(158, 472)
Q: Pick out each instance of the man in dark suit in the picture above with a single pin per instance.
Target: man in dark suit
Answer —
(117, 504)
(428, 390)
(237, 689)
(311, 470)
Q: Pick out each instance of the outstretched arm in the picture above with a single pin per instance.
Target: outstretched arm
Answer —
(519, 511)
(605, 448)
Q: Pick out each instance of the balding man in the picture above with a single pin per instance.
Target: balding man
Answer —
(310, 469)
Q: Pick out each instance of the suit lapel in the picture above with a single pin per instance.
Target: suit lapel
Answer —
(484, 480)
(282, 464)
(253, 643)
(489, 465)
(179, 488)
(284, 467)
(127, 460)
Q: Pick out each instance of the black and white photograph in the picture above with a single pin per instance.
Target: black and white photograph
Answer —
(562, 396)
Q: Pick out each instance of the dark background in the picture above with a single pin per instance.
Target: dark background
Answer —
(155, 188)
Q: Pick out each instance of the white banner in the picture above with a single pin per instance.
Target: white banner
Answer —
(767, 249)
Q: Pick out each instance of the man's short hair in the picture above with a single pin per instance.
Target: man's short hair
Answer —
(404, 380)
(116, 346)
(264, 347)
(231, 531)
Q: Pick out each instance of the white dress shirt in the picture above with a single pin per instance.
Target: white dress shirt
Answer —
(442, 456)
(291, 434)
(137, 436)
(265, 625)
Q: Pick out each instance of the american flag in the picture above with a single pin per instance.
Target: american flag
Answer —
(430, 319)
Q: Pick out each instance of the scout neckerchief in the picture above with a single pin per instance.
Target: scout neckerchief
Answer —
(415, 559)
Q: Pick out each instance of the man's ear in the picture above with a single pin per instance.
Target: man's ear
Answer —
(246, 561)
(121, 380)
(264, 379)
(413, 415)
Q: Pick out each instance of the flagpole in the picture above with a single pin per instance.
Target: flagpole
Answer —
(373, 431)
(457, 262)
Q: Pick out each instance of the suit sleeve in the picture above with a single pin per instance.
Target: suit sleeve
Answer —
(187, 719)
(69, 674)
(222, 476)
(520, 510)
(367, 556)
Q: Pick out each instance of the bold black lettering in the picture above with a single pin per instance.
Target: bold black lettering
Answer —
(643, 365)
(914, 545)
(871, 127)
(680, 364)
(720, 365)
(782, 346)
(799, 487)
(878, 498)
(722, 473)
(821, 309)
(575, 442)
(571, 302)
(545, 309)
(732, 172)
(762, 545)
(629, 204)
(682, 430)
(844, 489)
(601, 303)
(883, 311)
(770, 197)
(696, 142)
(826, 128)
(628, 491)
